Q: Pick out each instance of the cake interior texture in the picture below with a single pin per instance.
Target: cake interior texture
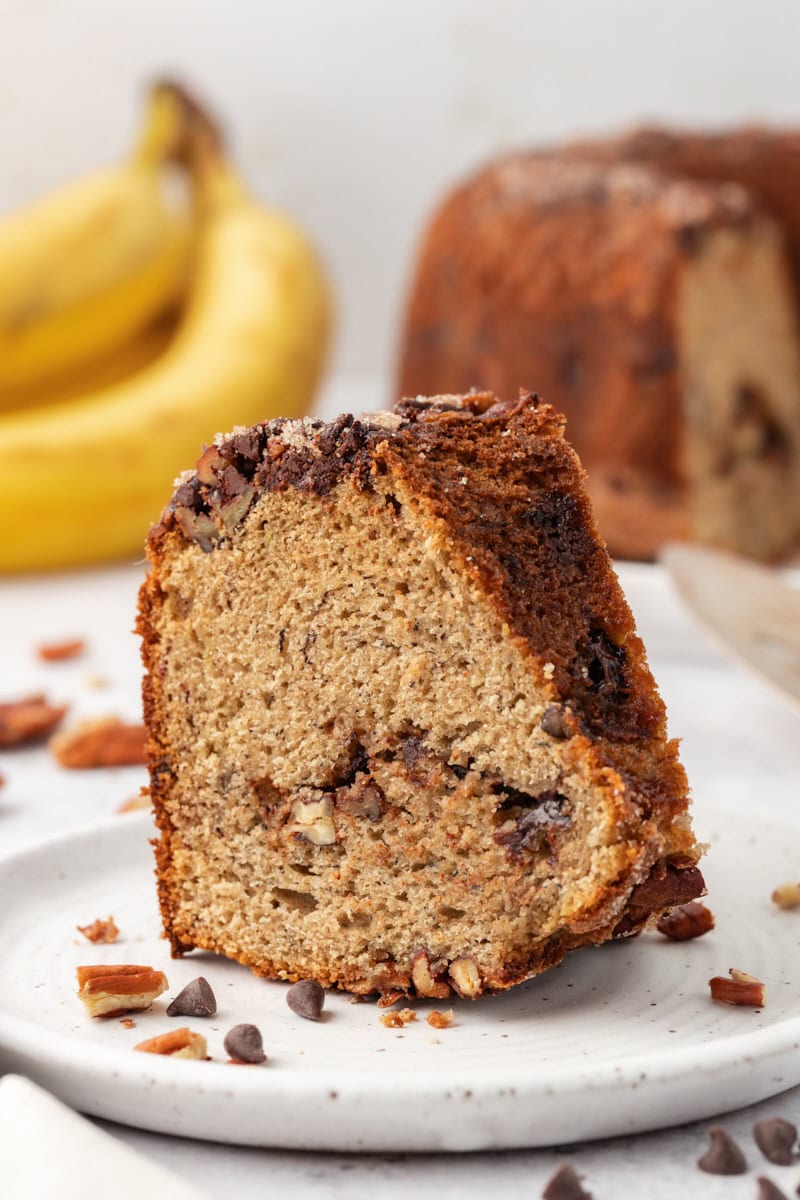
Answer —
(403, 736)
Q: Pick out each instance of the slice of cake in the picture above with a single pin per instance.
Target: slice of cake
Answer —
(403, 736)
(661, 314)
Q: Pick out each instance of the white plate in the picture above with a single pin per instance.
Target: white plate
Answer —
(617, 1040)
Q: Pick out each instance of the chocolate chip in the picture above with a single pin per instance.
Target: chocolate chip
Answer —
(306, 998)
(775, 1139)
(243, 1043)
(554, 723)
(565, 1185)
(723, 1156)
(195, 1000)
(767, 1190)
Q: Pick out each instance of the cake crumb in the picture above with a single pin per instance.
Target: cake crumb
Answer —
(396, 1020)
(440, 1020)
(100, 931)
(127, 1023)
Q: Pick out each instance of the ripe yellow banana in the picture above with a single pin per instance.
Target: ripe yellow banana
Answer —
(82, 481)
(82, 271)
(114, 367)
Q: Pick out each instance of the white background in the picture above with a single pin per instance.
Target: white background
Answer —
(355, 114)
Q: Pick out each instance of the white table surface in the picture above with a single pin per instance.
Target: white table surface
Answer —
(725, 717)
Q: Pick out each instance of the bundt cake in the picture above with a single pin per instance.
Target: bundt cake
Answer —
(403, 735)
(659, 313)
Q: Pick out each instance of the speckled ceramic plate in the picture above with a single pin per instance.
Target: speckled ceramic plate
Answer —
(616, 1040)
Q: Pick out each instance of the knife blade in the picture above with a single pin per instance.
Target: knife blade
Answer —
(752, 610)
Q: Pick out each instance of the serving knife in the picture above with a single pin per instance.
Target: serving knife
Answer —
(754, 611)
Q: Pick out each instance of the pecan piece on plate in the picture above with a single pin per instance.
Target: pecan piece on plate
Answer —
(113, 989)
(28, 719)
(106, 742)
(178, 1043)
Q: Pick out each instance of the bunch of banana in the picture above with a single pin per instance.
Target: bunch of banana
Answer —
(84, 473)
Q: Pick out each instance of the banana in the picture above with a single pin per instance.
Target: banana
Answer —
(87, 268)
(81, 482)
(111, 368)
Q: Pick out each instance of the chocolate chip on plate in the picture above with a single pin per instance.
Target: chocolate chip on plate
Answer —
(565, 1185)
(195, 1000)
(306, 998)
(243, 1043)
(723, 1156)
(775, 1139)
(767, 1190)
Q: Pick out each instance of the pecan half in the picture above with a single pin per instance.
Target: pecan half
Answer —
(28, 719)
(109, 990)
(465, 977)
(106, 742)
(178, 1043)
(687, 921)
(740, 989)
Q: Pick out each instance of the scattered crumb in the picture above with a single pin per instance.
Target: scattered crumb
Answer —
(440, 1020)
(104, 742)
(135, 802)
(128, 1022)
(396, 1020)
(100, 931)
(97, 682)
(61, 651)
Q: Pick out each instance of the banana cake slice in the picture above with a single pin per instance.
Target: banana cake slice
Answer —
(403, 734)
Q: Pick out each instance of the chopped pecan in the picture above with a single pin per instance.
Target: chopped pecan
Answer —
(687, 921)
(108, 990)
(787, 895)
(465, 977)
(100, 931)
(28, 719)
(740, 989)
(105, 742)
(364, 798)
(312, 821)
(61, 651)
(425, 981)
(178, 1043)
